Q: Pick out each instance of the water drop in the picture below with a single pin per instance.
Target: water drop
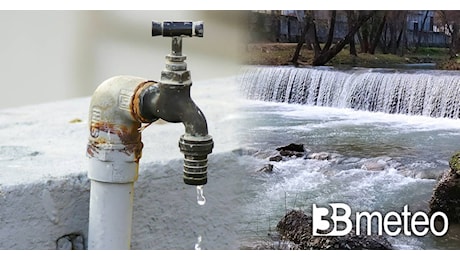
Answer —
(197, 245)
(199, 195)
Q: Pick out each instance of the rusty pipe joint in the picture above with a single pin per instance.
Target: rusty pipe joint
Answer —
(114, 130)
(114, 150)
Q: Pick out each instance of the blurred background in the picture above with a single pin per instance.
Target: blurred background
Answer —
(47, 56)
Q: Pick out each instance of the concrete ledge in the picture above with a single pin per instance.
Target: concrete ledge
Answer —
(44, 191)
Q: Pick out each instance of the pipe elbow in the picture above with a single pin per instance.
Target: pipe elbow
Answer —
(112, 124)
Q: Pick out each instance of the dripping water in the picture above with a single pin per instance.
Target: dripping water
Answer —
(201, 201)
(200, 195)
(198, 243)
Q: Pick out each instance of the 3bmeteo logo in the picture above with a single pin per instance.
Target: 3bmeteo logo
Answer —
(338, 222)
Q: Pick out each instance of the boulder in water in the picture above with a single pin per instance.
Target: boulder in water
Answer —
(292, 148)
(319, 156)
(268, 168)
(446, 193)
(296, 226)
(378, 165)
(275, 158)
(291, 154)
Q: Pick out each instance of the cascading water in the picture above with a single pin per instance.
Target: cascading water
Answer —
(389, 135)
(427, 93)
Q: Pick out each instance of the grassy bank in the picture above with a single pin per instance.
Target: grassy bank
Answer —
(281, 54)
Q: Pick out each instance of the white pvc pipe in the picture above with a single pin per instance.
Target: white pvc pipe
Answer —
(111, 200)
(114, 150)
(110, 218)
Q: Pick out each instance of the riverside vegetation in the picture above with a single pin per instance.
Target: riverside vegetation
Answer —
(278, 54)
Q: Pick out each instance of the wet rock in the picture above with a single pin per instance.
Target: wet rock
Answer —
(290, 154)
(268, 168)
(454, 163)
(378, 165)
(446, 193)
(292, 148)
(275, 158)
(296, 227)
(429, 174)
(319, 156)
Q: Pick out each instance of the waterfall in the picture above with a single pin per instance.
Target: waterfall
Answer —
(428, 93)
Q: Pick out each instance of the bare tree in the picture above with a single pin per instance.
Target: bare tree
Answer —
(375, 38)
(419, 32)
(351, 21)
(394, 32)
(303, 18)
(327, 55)
(370, 33)
(330, 35)
(450, 22)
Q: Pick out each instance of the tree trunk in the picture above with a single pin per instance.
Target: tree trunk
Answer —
(404, 45)
(351, 21)
(364, 46)
(398, 41)
(453, 29)
(330, 35)
(328, 55)
(314, 36)
(363, 38)
(419, 32)
(392, 45)
(308, 43)
(303, 34)
(378, 34)
(454, 41)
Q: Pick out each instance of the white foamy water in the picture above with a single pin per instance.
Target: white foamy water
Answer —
(427, 93)
(412, 152)
(332, 116)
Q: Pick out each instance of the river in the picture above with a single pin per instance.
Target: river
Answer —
(244, 205)
(411, 149)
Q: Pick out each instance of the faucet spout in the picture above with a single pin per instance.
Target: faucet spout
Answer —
(172, 103)
(194, 120)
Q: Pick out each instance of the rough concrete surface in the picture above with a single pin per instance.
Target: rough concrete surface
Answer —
(44, 190)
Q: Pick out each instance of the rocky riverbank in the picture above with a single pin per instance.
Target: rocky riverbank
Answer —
(296, 226)
(446, 194)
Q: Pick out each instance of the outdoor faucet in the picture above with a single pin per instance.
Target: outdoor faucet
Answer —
(118, 108)
(170, 100)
